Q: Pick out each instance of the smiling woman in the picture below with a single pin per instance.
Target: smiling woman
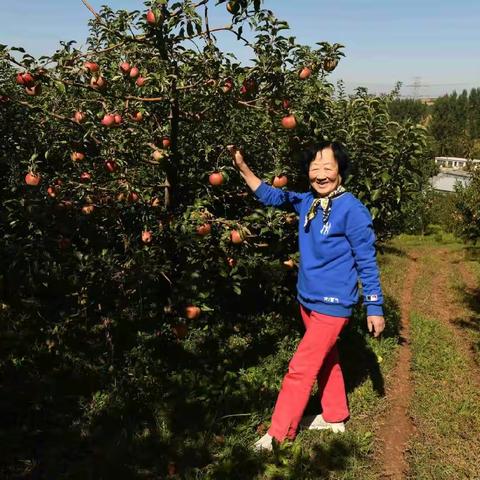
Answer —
(336, 249)
(326, 165)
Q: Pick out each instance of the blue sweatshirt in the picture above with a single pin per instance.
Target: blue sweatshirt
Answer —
(332, 256)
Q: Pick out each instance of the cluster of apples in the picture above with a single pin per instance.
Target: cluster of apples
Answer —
(97, 81)
(133, 72)
(205, 229)
(27, 80)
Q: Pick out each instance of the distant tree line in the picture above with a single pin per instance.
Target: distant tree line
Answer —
(453, 121)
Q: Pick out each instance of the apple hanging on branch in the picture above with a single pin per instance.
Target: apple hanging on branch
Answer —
(216, 179)
(305, 73)
(204, 229)
(78, 117)
(91, 67)
(26, 79)
(236, 237)
(289, 122)
(146, 237)
(125, 68)
(192, 312)
(32, 179)
(280, 181)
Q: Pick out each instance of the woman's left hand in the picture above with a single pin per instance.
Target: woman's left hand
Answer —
(376, 324)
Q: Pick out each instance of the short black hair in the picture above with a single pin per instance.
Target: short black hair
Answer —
(339, 152)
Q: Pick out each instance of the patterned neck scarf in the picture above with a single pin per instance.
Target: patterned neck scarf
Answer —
(325, 203)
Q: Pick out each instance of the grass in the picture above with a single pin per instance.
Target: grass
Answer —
(469, 297)
(445, 407)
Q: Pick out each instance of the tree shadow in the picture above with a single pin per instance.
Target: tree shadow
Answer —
(392, 250)
(471, 299)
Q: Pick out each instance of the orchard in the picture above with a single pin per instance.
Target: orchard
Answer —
(143, 288)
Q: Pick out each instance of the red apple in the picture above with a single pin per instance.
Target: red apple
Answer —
(51, 191)
(108, 120)
(289, 122)
(158, 155)
(192, 312)
(117, 118)
(34, 91)
(204, 229)
(215, 179)
(137, 117)
(134, 72)
(231, 262)
(32, 179)
(88, 209)
(289, 263)
(248, 86)
(235, 237)
(97, 83)
(166, 142)
(25, 79)
(110, 166)
(151, 19)
(85, 177)
(28, 80)
(133, 197)
(19, 79)
(286, 104)
(91, 66)
(140, 82)
(125, 67)
(305, 72)
(79, 117)
(146, 236)
(77, 156)
(280, 181)
(228, 85)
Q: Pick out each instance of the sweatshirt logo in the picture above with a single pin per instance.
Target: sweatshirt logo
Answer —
(371, 298)
(326, 228)
(331, 299)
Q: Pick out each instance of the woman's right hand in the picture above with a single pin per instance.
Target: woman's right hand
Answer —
(237, 156)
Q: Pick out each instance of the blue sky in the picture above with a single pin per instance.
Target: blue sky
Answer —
(435, 42)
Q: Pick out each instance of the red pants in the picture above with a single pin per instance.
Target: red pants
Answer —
(316, 358)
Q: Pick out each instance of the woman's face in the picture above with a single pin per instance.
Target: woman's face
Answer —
(323, 172)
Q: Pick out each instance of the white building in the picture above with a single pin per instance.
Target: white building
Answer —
(456, 162)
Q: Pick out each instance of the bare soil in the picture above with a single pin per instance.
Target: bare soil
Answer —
(396, 427)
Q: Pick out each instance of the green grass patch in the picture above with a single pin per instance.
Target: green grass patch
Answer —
(469, 296)
(445, 407)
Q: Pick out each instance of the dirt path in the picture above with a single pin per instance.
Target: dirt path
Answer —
(443, 304)
(397, 427)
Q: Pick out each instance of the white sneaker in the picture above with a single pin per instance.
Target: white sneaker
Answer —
(265, 443)
(316, 422)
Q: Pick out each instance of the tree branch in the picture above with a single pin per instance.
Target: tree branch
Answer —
(51, 114)
(91, 9)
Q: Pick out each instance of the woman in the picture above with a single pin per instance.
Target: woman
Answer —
(337, 246)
